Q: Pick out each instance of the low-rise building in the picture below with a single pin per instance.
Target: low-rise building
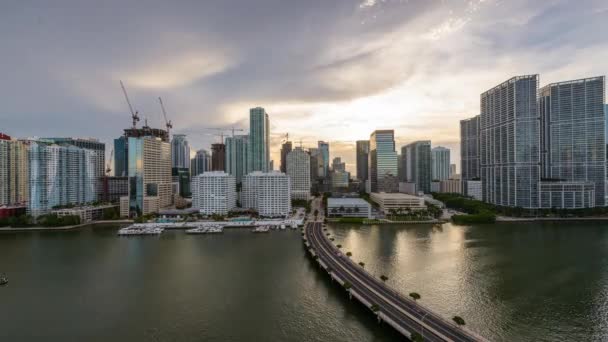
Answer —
(348, 207)
(396, 201)
(451, 186)
(407, 188)
(86, 213)
(435, 186)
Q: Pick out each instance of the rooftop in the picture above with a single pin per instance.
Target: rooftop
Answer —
(346, 201)
(393, 195)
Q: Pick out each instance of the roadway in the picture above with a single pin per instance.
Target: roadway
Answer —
(402, 313)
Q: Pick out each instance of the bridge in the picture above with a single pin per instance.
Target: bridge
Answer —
(403, 314)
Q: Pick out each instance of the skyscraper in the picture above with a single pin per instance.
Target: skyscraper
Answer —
(259, 140)
(14, 166)
(469, 149)
(323, 159)
(417, 164)
(338, 165)
(382, 164)
(573, 145)
(440, 160)
(285, 149)
(218, 157)
(510, 143)
(236, 156)
(298, 169)
(180, 152)
(314, 164)
(362, 159)
(200, 163)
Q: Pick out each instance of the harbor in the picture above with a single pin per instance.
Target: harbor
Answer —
(205, 230)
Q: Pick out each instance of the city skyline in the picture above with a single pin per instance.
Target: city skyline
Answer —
(207, 76)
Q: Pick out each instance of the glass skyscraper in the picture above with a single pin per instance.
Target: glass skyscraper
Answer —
(236, 156)
(121, 157)
(180, 152)
(469, 148)
(200, 163)
(324, 159)
(417, 164)
(440, 159)
(382, 164)
(259, 140)
(362, 159)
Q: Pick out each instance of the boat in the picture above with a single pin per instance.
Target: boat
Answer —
(3, 280)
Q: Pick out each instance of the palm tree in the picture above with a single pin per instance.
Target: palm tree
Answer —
(458, 320)
(349, 254)
(362, 264)
(416, 337)
(339, 246)
(347, 285)
(415, 296)
(384, 278)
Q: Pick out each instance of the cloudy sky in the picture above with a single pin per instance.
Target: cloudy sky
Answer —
(331, 70)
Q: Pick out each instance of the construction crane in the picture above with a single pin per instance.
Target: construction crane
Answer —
(108, 168)
(286, 139)
(134, 114)
(167, 123)
(222, 130)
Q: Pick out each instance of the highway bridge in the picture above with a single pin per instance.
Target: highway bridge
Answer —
(402, 313)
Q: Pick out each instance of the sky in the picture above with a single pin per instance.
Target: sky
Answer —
(332, 70)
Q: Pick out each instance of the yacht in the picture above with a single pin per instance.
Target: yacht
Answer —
(3, 280)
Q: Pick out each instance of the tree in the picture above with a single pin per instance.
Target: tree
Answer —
(415, 296)
(347, 285)
(339, 246)
(349, 254)
(374, 307)
(362, 264)
(416, 337)
(356, 209)
(458, 320)
(341, 209)
(384, 278)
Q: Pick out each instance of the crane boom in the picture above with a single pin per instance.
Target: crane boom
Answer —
(134, 114)
(167, 123)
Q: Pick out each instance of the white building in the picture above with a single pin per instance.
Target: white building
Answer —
(473, 189)
(268, 193)
(298, 169)
(440, 160)
(388, 201)
(348, 207)
(451, 186)
(214, 192)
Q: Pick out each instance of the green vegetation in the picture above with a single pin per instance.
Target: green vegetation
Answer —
(52, 220)
(17, 221)
(362, 264)
(339, 246)
(365, 196)
(458, 320)
(112, 213)
(484, 217)
(144, 218)
(347, 285)
(478, 212)
(349, 254)
(374, 307)
(355, 220)
(416, 337)
(301, 203)
(384, 278)
(415, 296)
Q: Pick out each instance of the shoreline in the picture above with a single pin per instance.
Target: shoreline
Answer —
(503, 219)
(59, 229)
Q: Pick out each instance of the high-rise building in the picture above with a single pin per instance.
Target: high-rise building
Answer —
(323, 159)
(121, 157)
(181, 177)
(417, 164)
(510, 143)
(362, 159)
(149, 174)
(382, 163)
(298, 169)
(338, 165)
(314, 163)
(452, 171)
(180, 152)
(573, 145)
(14, 166)
(201, 163)
(259, 140)
(440, 163)
(214, 192)
(469, 149)
(286, 147)
(236, 156)
(340, 180)
(60, 175)
(111, 189)
(269, 193)
(218, 157)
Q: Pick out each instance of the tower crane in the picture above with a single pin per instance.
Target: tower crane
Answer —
(222, 130)
(134, 114)
(167, 123)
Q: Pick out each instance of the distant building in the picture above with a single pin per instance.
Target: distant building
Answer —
(408, 188)
(214, 192)
(435, 186)
(236, 156)
(452, 170)
(181, 176)
(286, 147)
(451, 186)
(259, 140)
(85, 213)
(323, 159)
(340, 180)
(111, 189)
(218, 157)
(99, 149)
(362, 159)
(180, 152)
(298, 169)
(396, 201)
(14, 166)
(121, 157)
(348, 207)
(338, 165)
(473, 189)
(440, 163)
(417, 164)
(469, 149)
(382, 162)
(201, 163)
(268, 193)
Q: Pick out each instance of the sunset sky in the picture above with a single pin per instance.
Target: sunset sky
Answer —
(331, 70)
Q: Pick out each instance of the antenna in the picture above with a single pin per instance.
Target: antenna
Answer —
(134, 114)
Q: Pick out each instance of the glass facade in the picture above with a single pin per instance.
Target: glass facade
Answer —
(440, 158)
(383, 162)
(259, 140)
(236, 156)
(362, 159)
(180, 152)
(469, 148)
(324, 159)
(121, 157)
(136, 175)
(417, 164)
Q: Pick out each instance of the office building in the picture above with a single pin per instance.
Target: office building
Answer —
(452, 170)
(440, 163)
(181, 176)
(286, 147)
(180, 152)
(218, 157)
(397, 201)
(236, 156)
(573, 142)
(567, 194)
(111, 189)
(314, 163)
(298, 169)
(149, 174)
(473, 189)
(323, 159)
(340, 180)
(450, 186)
(214, 192)
(382, 162)
(417, 164)
(268, 193)
(14, 166)
(348, 207)
(362, 159)
(469, 149)
(121, 157)
(259, 140)
(510, 143)
(201, 163)
(60, 175)
(338, 165)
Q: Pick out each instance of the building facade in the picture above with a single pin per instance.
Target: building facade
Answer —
(259, 140)
(214, 192)
(469, 148)
(111, 189)
(180, 152)
(14, 166)
(473, 189)
(510, 143)
(567, 194)
(268, 193)
(298, 169)
(362, 159)
(382, 162)
(396, 201)
(417, 164)
(440, 163)
(323, 159)
(218, 157)
(236, 156)
(286, 147)
(201, 163)
(121, 157)
(348, 207)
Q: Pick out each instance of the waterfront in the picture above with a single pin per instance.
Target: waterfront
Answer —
(509, 281)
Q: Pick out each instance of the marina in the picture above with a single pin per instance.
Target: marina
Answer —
(140, 230)
(261, 229)
(206, 230)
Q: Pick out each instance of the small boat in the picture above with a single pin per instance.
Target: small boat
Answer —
(3, 280)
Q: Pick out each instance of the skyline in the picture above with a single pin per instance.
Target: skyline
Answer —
(417, 67)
